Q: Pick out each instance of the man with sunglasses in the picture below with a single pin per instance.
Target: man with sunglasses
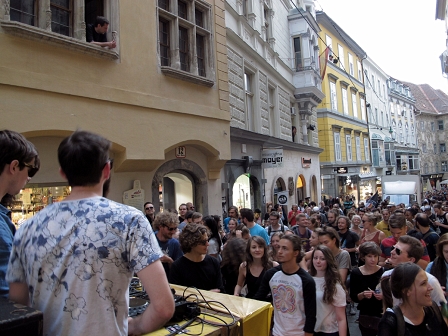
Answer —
(19, 162)
(398, 228)
(166, 225)
(149, 212)
(410, 249)
(74, 260)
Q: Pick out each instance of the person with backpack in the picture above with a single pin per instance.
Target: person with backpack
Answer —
(417, 314)
(429, 236)
(275, 226)
(302, 230)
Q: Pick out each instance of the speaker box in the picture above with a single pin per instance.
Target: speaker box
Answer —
(19, 320)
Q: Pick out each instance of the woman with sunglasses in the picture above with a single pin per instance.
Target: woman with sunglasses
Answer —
(417, 314)
(330, 294)
(252, 270)
(370, 232)
(195, 268)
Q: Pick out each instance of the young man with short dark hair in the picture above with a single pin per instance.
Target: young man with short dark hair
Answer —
(74, 259)
(398, 228)
(293, 291)
(19, 162)
(96, 33)
(247, 218)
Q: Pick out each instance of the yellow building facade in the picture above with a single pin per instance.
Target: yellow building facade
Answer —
(161, 96)
(342, 122)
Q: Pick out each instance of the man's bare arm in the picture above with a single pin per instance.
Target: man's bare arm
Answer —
(161, 308)
(18, 292)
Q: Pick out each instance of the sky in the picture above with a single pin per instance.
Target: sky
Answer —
(401, 36)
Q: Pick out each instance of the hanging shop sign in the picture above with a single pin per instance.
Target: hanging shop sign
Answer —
(282, 197)
(272, 158)
(306, 162)
(342, 170)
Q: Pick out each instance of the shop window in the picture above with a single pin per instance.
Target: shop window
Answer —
(190, 55)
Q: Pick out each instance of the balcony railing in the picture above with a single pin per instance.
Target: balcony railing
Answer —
(303, 64)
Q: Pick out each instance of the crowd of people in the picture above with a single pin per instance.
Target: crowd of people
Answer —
(316, 264)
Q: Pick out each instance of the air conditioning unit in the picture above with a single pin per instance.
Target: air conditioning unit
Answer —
(293, 111)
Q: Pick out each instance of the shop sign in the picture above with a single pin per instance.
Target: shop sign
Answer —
(388, 173)
(181, 152)
(282, 198)
(342, 170)
(306, 162)
(272, 158)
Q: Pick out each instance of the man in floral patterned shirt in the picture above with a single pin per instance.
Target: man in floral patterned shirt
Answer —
(74, 259)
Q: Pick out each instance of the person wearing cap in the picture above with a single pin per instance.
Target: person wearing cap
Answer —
(323, 218)
(392, 207)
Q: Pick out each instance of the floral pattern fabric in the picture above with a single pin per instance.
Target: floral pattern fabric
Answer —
(77, 258)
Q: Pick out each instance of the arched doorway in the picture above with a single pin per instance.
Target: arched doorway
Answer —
(177, 180)
(243, 192)
(176, 188)
(300, 188)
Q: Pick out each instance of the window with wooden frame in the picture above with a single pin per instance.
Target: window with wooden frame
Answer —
(68, 18)
(62, 17)
(186, 41)
(183, 49)
(164, 42)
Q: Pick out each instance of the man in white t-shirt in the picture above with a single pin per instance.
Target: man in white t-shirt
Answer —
(293, 291)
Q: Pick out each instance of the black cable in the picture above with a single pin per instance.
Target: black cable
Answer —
(207, 303)
(182, 327)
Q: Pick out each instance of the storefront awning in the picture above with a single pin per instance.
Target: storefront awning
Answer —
(369, 176)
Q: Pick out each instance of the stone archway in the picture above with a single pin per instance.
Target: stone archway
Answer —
(194, 171)
(255, 187)
(301, 188)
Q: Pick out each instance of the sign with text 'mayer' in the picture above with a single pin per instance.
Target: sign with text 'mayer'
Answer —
(272, 158)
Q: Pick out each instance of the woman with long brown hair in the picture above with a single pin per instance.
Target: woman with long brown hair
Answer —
(439, 267)
(330, 294)
(252, 270)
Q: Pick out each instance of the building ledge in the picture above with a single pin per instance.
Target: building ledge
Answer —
(245, 136)
(38, 34)
(186, 76)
